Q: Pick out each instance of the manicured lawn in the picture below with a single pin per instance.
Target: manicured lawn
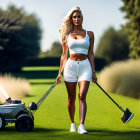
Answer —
(52, 121)
(40, 68)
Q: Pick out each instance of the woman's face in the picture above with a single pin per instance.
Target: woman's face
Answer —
(77, 18)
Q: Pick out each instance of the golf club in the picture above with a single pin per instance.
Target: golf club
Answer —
(127, 115)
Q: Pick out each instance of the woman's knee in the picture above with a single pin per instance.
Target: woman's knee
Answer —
(71, 99)
(82, 97)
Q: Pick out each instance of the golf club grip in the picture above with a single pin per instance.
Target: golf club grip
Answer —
(107, 94)
(46, 94)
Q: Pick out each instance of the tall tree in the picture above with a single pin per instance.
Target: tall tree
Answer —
(55, 50)
(132, 10)
(113, 45)
(20, 35)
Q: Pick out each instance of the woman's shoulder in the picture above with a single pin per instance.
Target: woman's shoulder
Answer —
(90, 34)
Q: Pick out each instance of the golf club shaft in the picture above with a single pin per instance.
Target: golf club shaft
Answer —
(45, 95)
(109, 97)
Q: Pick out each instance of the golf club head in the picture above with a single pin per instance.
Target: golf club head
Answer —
(32, 106)
(127, 116)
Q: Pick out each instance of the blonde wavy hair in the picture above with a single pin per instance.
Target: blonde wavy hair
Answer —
(67, 24)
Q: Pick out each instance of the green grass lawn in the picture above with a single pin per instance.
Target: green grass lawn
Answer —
(103, 120)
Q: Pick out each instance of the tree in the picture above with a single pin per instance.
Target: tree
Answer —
(55, 51)
(132, 10)
(113, 45)
(20, 36)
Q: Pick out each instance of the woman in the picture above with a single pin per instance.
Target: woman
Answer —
(79, 67)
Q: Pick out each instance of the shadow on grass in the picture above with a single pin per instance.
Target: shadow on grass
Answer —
(53, 134)
(40, 83)
(12, 129)
(106, 132)
(30, 96)
(51, 130)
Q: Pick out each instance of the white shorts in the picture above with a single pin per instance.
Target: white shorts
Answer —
(77, 70)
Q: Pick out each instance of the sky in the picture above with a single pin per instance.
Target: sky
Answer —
(98, 15)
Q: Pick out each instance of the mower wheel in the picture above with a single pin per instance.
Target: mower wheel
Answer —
(2, 122)
(24, 123)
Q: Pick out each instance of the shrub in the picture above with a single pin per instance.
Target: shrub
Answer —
(122, 78)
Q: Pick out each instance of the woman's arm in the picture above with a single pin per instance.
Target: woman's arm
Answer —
(91, 56)
(62, 60)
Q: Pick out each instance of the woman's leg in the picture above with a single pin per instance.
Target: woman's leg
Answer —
(71, 89)
(83, 88)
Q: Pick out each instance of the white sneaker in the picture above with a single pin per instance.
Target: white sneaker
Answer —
(73, 127)
(81, 129)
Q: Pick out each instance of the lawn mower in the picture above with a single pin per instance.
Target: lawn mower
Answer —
(15, 111)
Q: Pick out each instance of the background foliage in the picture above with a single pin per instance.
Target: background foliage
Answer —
(54, 51)
(132, 10)
(113, 45)
(20, 35)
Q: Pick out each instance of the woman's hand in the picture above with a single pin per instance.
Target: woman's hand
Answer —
(94, 78)
(58, 81)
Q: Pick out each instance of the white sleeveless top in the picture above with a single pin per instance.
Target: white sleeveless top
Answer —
(78, 45)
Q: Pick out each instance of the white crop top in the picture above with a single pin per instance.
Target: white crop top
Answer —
(78, 45)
